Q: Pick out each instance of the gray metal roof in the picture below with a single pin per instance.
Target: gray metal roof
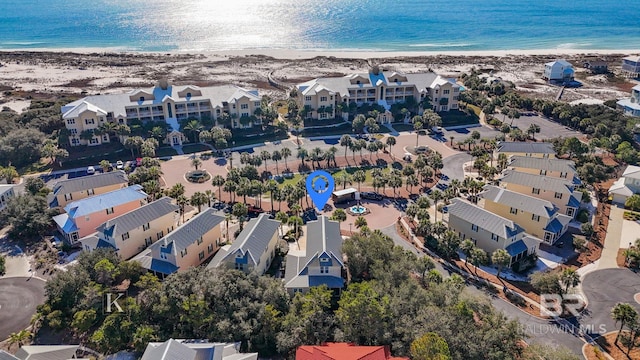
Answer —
(323, 235)
(168, 350)
(138, 217)
(548, 183)
(90, 182)
(189, 232)
(47, 352)
(525, 147)
(519, 201)
(551, 164)
(6, 356)
(254, 239)
(484, 219)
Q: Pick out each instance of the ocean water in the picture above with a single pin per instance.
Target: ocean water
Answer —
(382, 25)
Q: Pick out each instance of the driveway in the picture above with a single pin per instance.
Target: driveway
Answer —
(19, 299)
(604, 289)
(453, 165)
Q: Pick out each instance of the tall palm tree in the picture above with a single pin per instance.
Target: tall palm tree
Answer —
(230, 186)
(276, 156)
(218, 181)
(500, 258)
(345, 141)
(569, 278)
(359, 177)
(182, 201)
(19, 338)
(330, 156)
(286, 153)
(316, 155)
(265, 155)
(282, 217)
(417, 126)
(192, 128)
(625, 314)
(196, 162)
(343, 178)
(391, 140)
(198, 199)
(467, 246)
(272, 187)
(302, 155)
(211, 196)
(436, 195)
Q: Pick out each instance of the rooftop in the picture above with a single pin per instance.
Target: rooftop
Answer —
(189, 232)
(484, 219)
(519, 201)
(138, 217)
(549, 164)
(538, 181)
(525, 147)
(90, 182)
(343, 351)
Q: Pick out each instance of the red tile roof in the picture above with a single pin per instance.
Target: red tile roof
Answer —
(343, 351)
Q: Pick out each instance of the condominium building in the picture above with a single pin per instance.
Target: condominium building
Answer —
(321, 96)
(557, 168)
(163, 103)
(83, 187)
(631, 66)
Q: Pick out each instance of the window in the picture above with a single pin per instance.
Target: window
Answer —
(444, 108)
(324, 260)
(93, 141)
(535, 191)
(239, 266)
(256, 104)
(570, 211)
(75, 141)
(188, 94)
(546, 156)
(73, 131)
(474, 227)
(110, 211)
(307, 98)
(323, 115)
(163, 256)
(233, 106)
(68, 197)
(323, 98)
(125, 236)
(494, 237)
(558, 195)
(90, 192)
(535, 217)
(324, 269)
(71, 121)
(160, 235)
(183, 252)
(148, 241)
(513, 211)
(563, 175)
(245, 114)
(145, 227)
(445, 92)
(210, 248)
(105, 138)
(543, 172)
(141, 99)
(528, 154)
(201, 255)
(89, 121)
(200, 240)
(244, 106)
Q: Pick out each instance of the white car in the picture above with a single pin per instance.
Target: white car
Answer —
(119, 165)
(91, 170)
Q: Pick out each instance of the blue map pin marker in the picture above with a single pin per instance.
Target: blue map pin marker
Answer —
(320, 186)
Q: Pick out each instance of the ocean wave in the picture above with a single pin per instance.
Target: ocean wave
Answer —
(573, 45)
(21, 43)
(440, 45)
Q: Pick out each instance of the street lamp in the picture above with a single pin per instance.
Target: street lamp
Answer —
(350, 231)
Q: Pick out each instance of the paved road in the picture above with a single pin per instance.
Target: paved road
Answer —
(453, 165)
(19, 298)
(604, 289)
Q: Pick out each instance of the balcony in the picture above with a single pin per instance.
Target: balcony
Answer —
(145, 113)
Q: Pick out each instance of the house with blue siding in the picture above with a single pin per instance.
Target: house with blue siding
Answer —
(631, 106)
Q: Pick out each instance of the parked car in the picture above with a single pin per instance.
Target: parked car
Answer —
(119, 165)
(407, 157)
(91, 170)
(371, 195)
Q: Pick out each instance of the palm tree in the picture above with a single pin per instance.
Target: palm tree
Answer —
(19, 337)
(339, 215)
(218, 181)
(196, 162)
(467, 247)
(395, 181)
(272, 187)
(411, 181)
(198, 199)
(417, 126)
(282, 217)
(625, 314)
(276, 156)
(345, 141)
(436, 195)
(240, 211)
(211, 196)
(302, 155)
(569, 278)
(182, 201)
(360, 222)
(354, 146)
(316, 156)
(391, 140)
(343, 178)
(532, 130)
(243, 189)
(230, 187)
(359, 176)
(371, 148)
(330, 156)
(478, 257)
(500, 258)
(192, 128)
(285, 152)
(265, 155)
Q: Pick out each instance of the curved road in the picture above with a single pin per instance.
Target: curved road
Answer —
(19, 298)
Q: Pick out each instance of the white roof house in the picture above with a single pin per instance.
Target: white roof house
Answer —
(6, 193)
(47, 352)
(626, 185)
(180, 349)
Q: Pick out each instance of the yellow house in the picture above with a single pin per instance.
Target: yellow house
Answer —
(189, 245)
(489, 231)
(555, 190)
(528, 149)
(132, 232)
(254, 248)
(558, 168)
(69, 190)
(537, 217)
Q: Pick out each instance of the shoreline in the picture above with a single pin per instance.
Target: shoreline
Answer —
(344, 54)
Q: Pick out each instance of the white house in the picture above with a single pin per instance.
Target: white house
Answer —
(631, 66)
(631, 106)
(625, 186)
(180, 349)
(6, 193)
(559, 71)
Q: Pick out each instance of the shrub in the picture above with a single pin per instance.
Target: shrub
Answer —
(633, 202)
(2, 265)
(583, 216)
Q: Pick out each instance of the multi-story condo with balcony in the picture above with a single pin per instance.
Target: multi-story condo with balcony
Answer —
(537, 217)
(489, 231)
(82, 217)
(320, 263)
(631, 106)
(189, 245)
(631, 66)
(163, 103)
(558, 191)
(83, 187)
(132, 232)
(320, 97)
(254, 248)
(528, 149)
(558, 168)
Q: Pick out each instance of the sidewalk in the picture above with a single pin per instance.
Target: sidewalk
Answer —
(612, 240)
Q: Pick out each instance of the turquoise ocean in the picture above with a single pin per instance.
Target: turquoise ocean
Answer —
(380, 25)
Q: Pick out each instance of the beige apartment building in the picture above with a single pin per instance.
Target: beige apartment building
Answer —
(164, 103)
(254, 248)
(557, 168)
(537, 217)
(558, 191)
(489, 231)
(83, 187)
(189, 245)
(527, 149)
(132, 232)
(321, 96)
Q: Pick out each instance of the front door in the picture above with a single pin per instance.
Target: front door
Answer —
(170, 110)
(176, 141)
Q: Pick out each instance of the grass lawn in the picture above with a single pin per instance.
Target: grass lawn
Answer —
(335, 173)
(338, 130)
(457, 117)
(247, 140)
(121, 154)
(166, 151)
(403, 127)
(193, 148)
(383, 130)
(322, 122)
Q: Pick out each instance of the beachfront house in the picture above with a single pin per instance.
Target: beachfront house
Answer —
(6, 193)
(631, 106)
(320, 98)
(164, 104)
(254, 248)
(489, 231)
(181, 349)
(558, 71)
(626, 185)
(86, 186)
(521, 148)
(189, 245)
(344, 351)
(320, 263)
(558, 191)
(558, 168)
(82, 217)
(537, 217)
(134, 231)
(596, 66)
(631, 66)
